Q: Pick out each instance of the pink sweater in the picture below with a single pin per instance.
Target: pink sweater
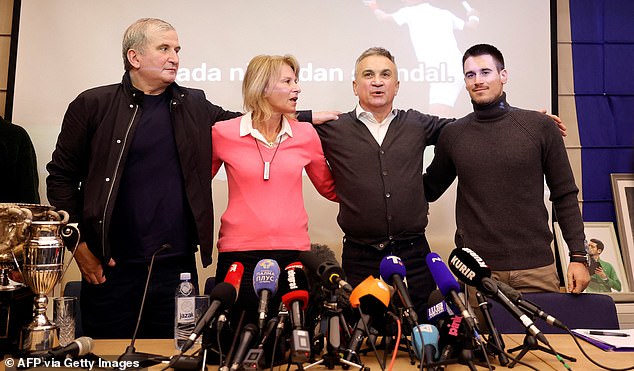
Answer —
(268, 214)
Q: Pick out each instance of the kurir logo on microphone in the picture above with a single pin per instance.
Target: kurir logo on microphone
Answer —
(465, 271)
(233, 267)
(475, 256)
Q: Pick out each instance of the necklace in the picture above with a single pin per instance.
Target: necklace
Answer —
(267, 164)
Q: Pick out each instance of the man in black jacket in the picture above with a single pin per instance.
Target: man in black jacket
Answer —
(132, 166)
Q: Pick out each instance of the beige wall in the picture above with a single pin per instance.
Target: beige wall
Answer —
(6, 13)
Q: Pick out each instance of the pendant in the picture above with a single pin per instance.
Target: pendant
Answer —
(267, 170)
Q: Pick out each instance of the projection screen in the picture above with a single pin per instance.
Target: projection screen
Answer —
(67, 46)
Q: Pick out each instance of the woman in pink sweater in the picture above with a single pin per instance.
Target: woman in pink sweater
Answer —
(264, 153)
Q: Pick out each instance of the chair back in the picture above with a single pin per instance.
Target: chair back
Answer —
(588, 311)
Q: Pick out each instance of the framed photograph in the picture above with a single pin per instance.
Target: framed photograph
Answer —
(605, 263)
(623, 192)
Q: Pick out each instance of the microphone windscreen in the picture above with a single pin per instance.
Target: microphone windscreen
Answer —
(391, 265)
(441, 274)
(437, 308)
(372, 287)
(265, 276)
(428, 335)
(310, 261)
(293, 285)
(225, 293)
(453, 333)
(468, 266)
(234, 276)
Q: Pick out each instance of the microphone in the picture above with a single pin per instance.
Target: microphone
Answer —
(130, 354)
(392, 271)
(294, 285)
(248, 336)
(426, 336)
(516, 297)
(471, 269)
(329, 271)
(222, 297)
(254, 360)
(452, 337)
(448, 286)
(372, 296)
(496, 344)
(294, 288)
(265, 277)
(437, 308)
(234, 276)
(79, 347)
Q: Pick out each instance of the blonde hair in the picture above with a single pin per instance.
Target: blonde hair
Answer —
(135, 36)
(262, 71)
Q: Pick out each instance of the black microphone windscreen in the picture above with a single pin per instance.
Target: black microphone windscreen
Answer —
(223, 292)
(465, 264)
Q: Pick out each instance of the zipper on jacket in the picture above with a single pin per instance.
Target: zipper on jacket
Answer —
(114, 178)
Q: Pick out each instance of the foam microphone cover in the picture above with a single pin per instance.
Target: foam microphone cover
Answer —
(234, 276)
(225, 293)
(391, 265)
(441, 274)
(293, 285)
(428, 335)
(453, 333)
(437, 308)
(468, 266)
(265, 276)
(373, 288)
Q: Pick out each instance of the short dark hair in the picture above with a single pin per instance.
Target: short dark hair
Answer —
(485, 49)
(600, 245)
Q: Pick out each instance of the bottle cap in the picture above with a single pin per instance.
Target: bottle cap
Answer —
(185, 276)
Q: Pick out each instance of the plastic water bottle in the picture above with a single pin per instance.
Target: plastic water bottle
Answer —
(184, 318)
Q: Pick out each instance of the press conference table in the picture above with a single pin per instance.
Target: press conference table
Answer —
(540, 360)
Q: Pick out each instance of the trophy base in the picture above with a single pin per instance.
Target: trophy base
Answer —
(36, 339)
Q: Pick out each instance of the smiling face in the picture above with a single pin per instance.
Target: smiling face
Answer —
(376, 83)
(283, 91)
(483, 80)
(155, 64)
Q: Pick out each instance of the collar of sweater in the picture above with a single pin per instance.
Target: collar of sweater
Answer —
(493, 110)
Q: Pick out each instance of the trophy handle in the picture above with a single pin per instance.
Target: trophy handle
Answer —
(65, 218)
(68, 231)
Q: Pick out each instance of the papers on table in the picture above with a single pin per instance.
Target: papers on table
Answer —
(611, 340)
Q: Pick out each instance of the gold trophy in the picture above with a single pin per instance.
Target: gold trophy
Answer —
(14, 231)
(42, 269)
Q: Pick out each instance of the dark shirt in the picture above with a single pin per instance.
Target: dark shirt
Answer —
(18, 165)
(151, 207)
(380, 187)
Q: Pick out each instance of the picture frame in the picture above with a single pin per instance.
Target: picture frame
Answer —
(603, 231)
(623, 194)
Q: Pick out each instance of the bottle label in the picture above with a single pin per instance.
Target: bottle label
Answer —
(185, 309)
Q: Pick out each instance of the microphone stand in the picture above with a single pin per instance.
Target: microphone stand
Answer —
(497, 346)
(531, 343)
(334, 318)
(131, 355)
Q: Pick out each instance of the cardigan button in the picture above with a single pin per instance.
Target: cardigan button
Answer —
(388, 195)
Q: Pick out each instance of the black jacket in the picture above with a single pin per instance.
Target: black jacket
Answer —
(92, 147)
